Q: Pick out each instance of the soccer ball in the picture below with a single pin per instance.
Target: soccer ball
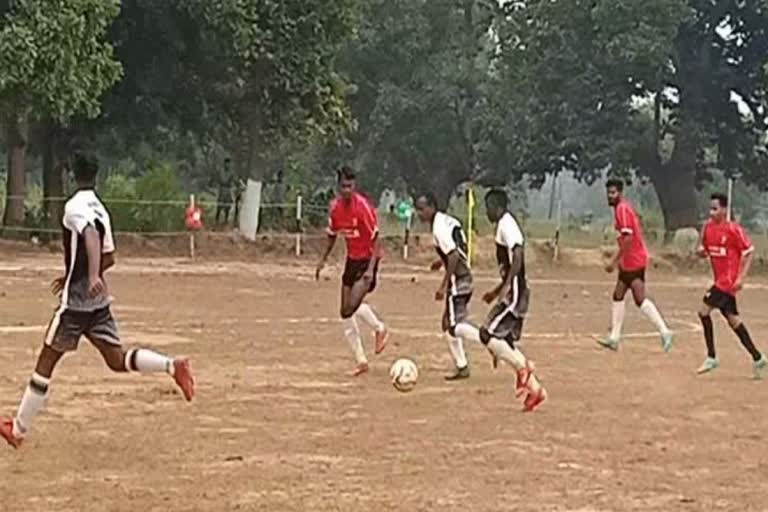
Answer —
(404, 374)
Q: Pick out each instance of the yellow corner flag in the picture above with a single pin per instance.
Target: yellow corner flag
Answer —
(470, 226)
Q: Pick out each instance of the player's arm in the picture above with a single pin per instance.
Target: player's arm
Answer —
(331, 231)
(107, 248)
(330, 242)
(746, 265)
(451, 264)
(373, 227)
(107, 261)
(510, 271)
(626, 233)
(625, 242)
(748, 252)
(372, 263)
(93, 250)
(701, 251)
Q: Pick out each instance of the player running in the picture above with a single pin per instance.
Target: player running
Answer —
(730, 252)
(504, 323)
(84, 310)
(353, 216)
(456, 287)
(631, 260)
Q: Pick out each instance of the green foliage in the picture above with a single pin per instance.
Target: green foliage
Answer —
(227, 76)
(425, 96)
(119, 194)
(129, 201)
(53, 59)
(33, 207)
(160, 183)
(582, 74)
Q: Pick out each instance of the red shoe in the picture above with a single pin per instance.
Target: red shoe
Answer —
(6, 431)
(182, 374)
(532, 401)
(360, 369)
(381, 340)
(523, 376)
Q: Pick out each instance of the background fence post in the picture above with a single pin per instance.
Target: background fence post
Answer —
(298, 225)
(192, 232)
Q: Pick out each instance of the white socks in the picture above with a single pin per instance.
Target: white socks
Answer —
(147, 361)
(456, 346)
(617, 319)
(467, 332)
(503, 351)
(649, 310)
(352, 330)
(31, 402)
(352, 333)
(367, 315)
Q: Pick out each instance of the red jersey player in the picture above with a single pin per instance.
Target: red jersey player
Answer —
(352, 216)
(631, 260)
(730, 251)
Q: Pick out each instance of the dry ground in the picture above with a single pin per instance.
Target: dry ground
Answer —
(278, 426)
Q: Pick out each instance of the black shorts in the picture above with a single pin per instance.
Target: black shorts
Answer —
(456, 311)
(629, 276)
(502, 323)
(67, 327)
(354, 271)
(505, 319)
(725, 302)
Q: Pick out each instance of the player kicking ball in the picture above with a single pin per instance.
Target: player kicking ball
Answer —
(456, 287)
(504, 323)
(352, 216)
(631, 260)
(730, 252)
(84, 308)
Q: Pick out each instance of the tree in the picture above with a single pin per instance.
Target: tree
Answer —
(588, 67)
(236, 77)
(54, 64)
(424, 94)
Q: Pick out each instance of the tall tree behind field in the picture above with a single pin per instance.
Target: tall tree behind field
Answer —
(54, 64)
(587, 66)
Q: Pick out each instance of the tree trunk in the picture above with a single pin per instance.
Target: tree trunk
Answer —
(53, 177)
(676, 188)
(16, 139)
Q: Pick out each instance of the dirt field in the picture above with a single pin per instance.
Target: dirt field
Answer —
(278, 426)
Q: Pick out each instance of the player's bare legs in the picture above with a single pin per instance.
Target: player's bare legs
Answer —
(34, 398)
(35, 395)
(455, 335)
(649, 309)
(646, 306)
(352, 306)
(759, 363)
(711, 362)
(147, 361)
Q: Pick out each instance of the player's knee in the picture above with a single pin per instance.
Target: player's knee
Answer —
(485, 336)
(346, 312)
(703, 315)
(116, 362)
(734, 321)
(618, 297)
(452, 330)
